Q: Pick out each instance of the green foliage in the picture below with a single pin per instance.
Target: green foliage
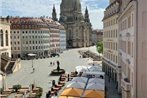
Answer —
(1, 90)
(16, 87)
(39, 94)
(100, 47)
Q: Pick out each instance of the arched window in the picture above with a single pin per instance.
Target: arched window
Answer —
(7, 38)
(2, 38)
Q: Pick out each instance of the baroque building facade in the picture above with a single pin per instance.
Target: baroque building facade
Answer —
(5, 46)
(54, 35)
(133, 48)
(62, 38)
(78, 27)
(29, 35)
(110, 41)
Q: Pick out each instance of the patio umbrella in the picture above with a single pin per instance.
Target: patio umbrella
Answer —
(94, 94)
(81, 69)
(67, 97)
(73, 92)
(95, 86)
(90, 62)
(94, 68)
(96, 80)
(73, 84)
(80, 79)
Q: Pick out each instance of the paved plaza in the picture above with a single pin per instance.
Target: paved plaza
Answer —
(68, 60)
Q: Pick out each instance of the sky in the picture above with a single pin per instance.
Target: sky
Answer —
(37, 8)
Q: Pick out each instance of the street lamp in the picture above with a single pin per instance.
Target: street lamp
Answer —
(32, 55)
(3, 80)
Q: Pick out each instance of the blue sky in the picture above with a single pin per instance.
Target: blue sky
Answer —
(37, 8)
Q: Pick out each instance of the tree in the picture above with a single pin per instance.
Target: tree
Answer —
(16, 87)
(1, 90)
(39, 94)
(100, 47)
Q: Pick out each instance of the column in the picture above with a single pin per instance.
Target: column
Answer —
(112, 74)
(119, 82)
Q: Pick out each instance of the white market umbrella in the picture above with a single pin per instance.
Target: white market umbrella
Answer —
(76, 85)
(81, 69)
(94, 68)
(80, 79)
(96, 80)
(31, 54)
(95, 86)
(90, 62)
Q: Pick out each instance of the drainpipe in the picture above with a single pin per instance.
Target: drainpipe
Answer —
(136, 48)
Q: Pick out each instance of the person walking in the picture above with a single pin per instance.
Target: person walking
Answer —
(33, 70)
(68, 77)
(53, 63)
(50, 63)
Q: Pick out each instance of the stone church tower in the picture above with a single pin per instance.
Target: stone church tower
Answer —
(54, 15)
(78, 27)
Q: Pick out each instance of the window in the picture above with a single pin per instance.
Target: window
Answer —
(2, 38)
(129, 21)
(129, 47)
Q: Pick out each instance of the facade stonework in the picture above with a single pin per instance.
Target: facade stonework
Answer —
(133, 48)
(78, 27)
(5, 45)
(132, 38)
(110, 41)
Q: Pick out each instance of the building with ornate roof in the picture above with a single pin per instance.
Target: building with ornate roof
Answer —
(78, 27)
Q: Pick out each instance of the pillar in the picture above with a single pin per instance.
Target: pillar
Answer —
(119, 82)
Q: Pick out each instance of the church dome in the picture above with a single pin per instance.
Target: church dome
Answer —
(71, 5)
